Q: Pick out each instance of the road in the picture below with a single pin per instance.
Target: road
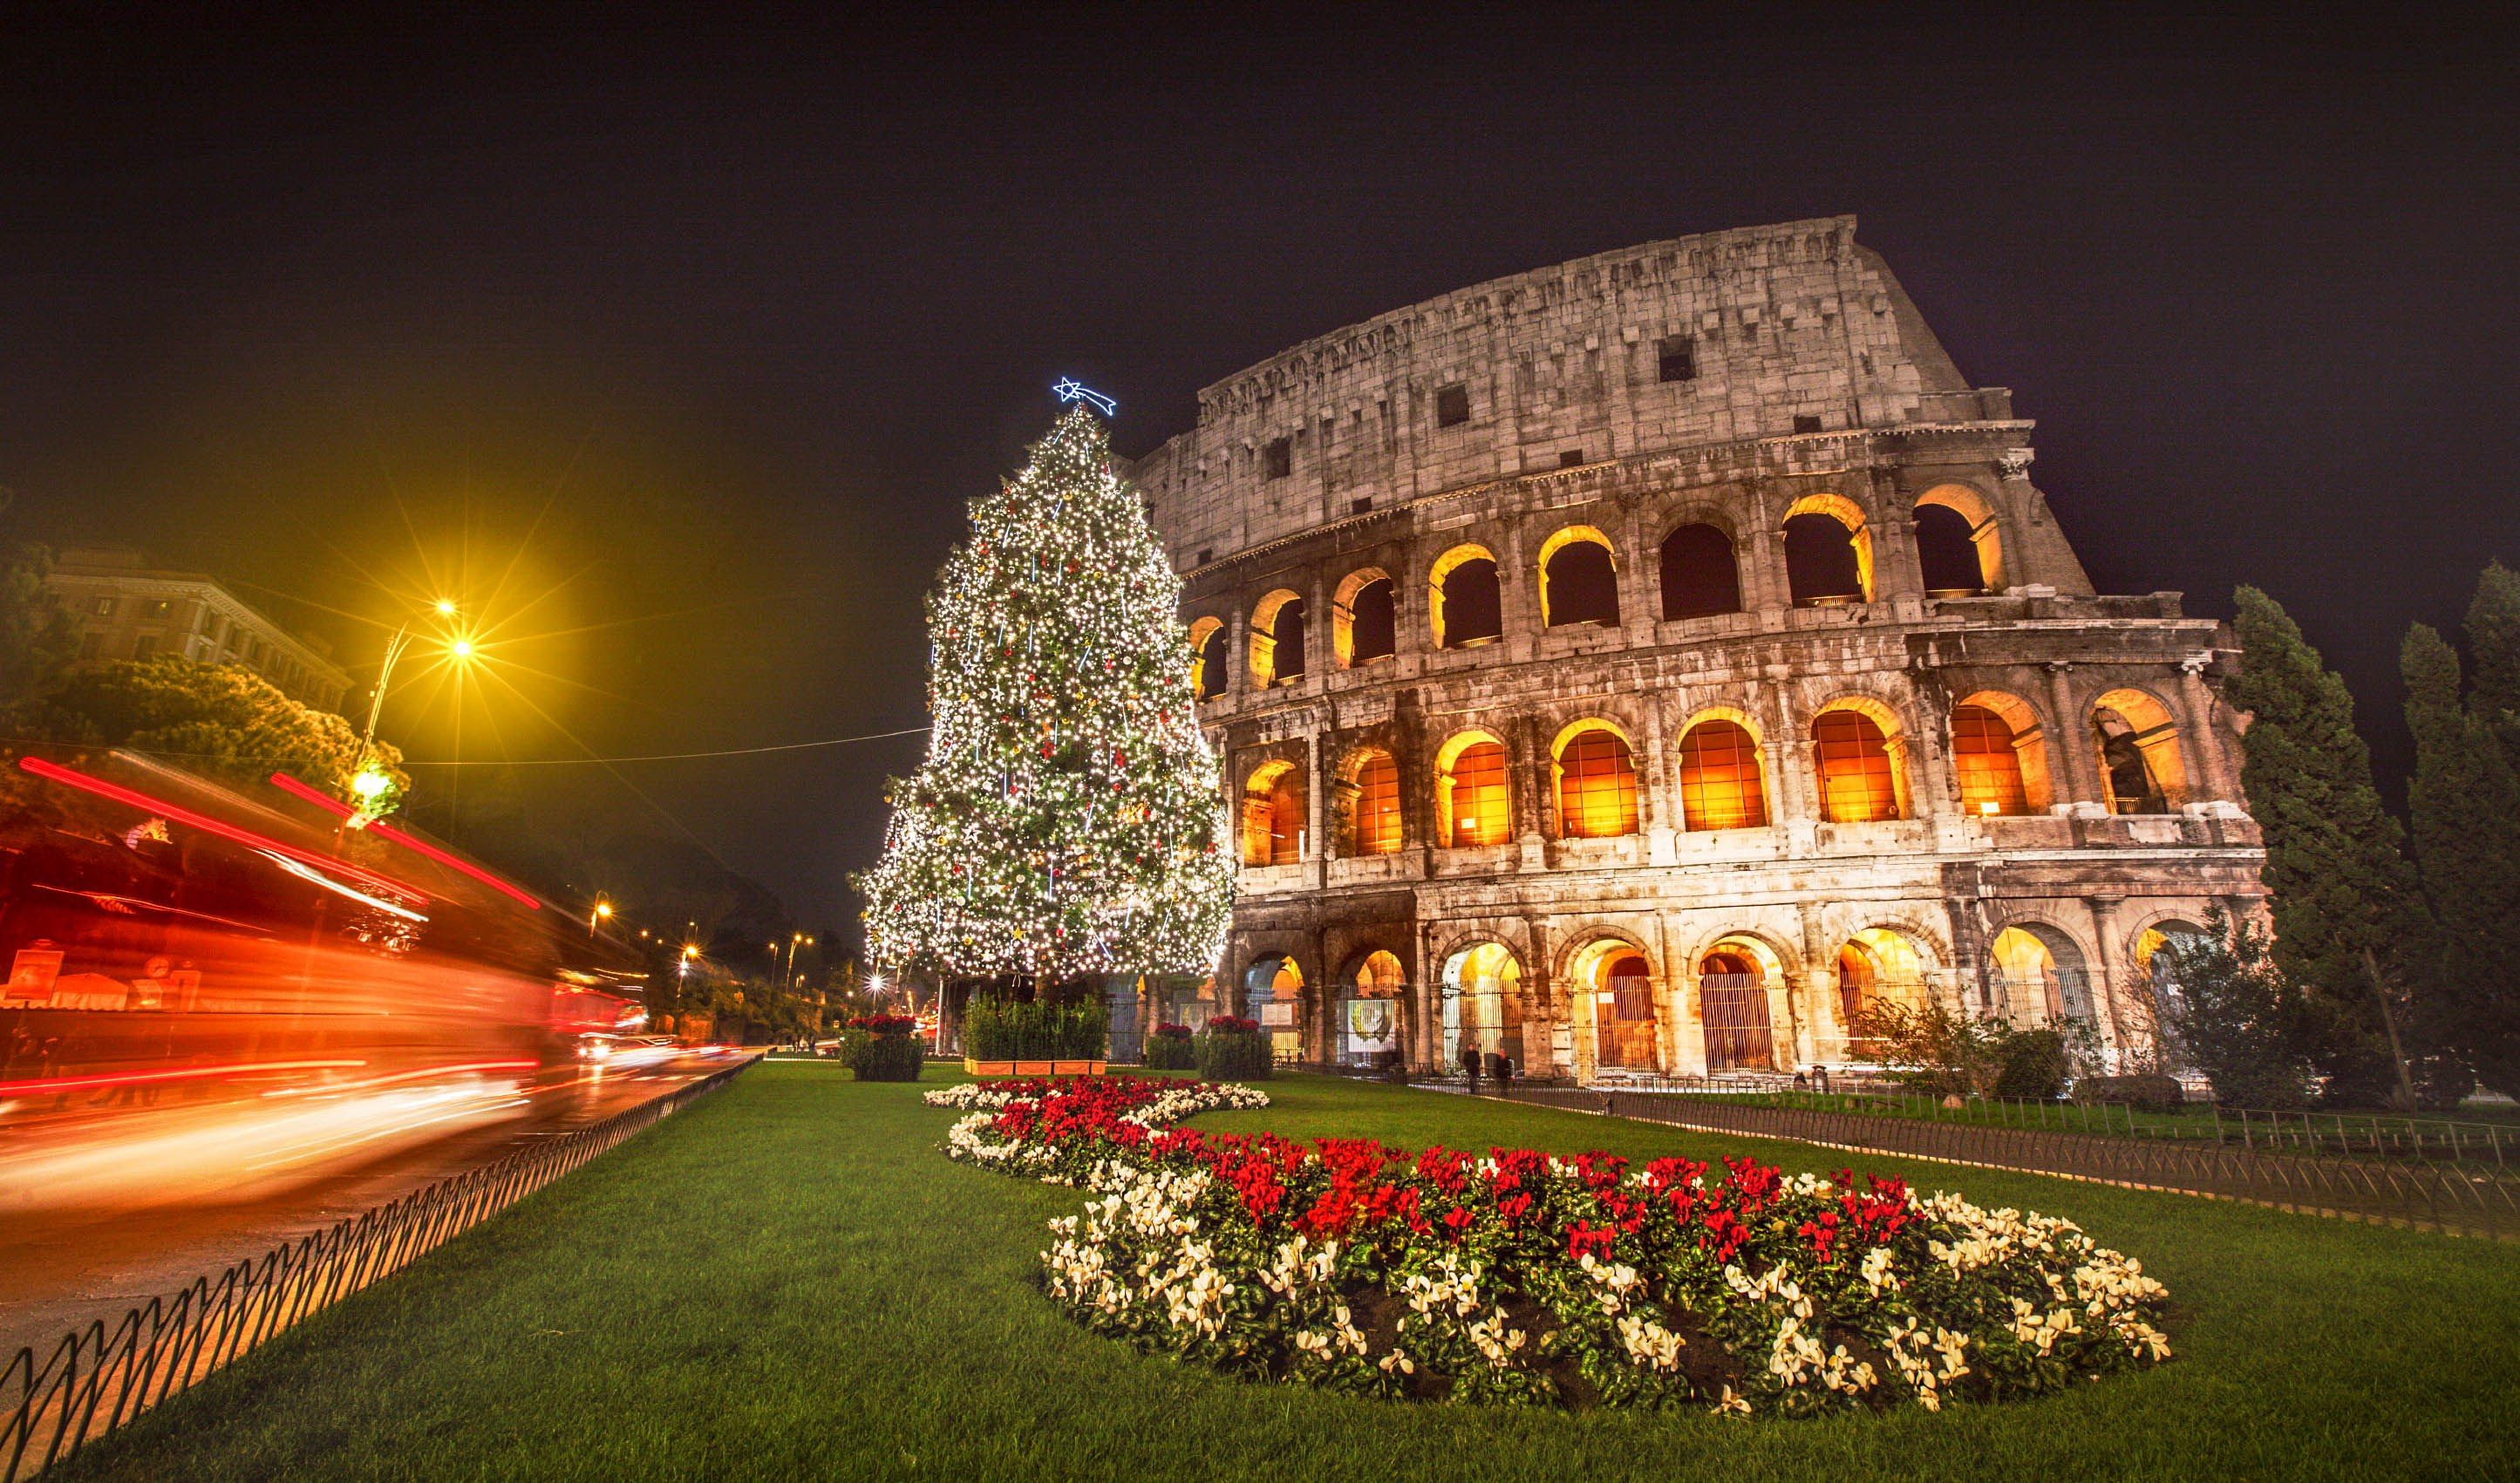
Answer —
(65, 1264)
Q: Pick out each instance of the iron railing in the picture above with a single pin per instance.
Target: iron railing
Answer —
(2458, 1197)
(99, 1378)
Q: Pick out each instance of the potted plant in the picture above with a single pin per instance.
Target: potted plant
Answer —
(1169, 1049)
(1003, 1037)
(1230, 1048)
(881, 1048)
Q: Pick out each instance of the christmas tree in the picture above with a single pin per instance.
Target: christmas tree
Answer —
(1067, 821)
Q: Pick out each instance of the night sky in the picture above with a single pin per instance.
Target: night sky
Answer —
(678, 347)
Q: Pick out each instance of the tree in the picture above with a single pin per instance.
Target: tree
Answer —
(2464, 805)
(37, 638)
(2494, 640)
(2341, 891)
(221, 721)
(2228, 1011)
(1068, 820)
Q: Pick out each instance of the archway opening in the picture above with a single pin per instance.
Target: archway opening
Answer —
(1985, 759)
(1597, 785)
(1278, 640)
(1619, 985)
(2138, 753)
(1364, 622)
(1733, 998)
(1859, 780)
(1482, 1003)
(1272, 993)
(1467, 607)
(2039, 974)
(1208, 659)
(1828, 552)
(1273, 815)
(1472, 803)
(1700, 577)
(1370, 1025)
(1577, 580)
(1947, 555)
(1369, 823)
(1876, 967)
(1720, 775)
(2158, 970)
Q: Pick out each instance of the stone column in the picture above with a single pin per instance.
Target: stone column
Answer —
(1317, 792)
(1765, 586)
(2106, 1000)
(2071, 769)
(2205, 739)
(1657, 798)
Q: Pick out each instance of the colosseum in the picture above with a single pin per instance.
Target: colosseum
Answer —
(1642, 665)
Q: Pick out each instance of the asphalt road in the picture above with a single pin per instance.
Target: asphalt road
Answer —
(66, 1266)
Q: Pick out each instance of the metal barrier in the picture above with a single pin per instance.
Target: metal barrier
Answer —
(2459, 1199)
(98, 1379)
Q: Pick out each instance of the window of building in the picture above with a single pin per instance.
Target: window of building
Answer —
(1469, 608)
(1677, 358)
(1806, 422)
(1578, 585)
(1360, 505)
(1279, 457)
(145, 646)
(1856, 782)
(1373, 623)
(157, 607)
(101, 608)
(1377, 806)
(1273, 815)
(1989, 765)
(1206, 554)
(1699, 577)
(1947, 554)
(1452, 406)
(1824, 562)
(1571, 458)
(1597, 786)
(1475, 788)
(1720, 778)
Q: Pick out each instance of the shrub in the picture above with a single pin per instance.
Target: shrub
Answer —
(1169, 1049)
(1006, 1029)
(1231, 1049)
(2145, 1093)
(882, 1047)
(2034, 1066)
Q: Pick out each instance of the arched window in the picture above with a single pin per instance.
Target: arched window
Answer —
(1372, 824)
(1856, 782)
(2138, 751)
(1699, 575)
(1577, 583)
(2039, 971)
(1946, 555)
(1470, 794)
(1985, 755)
(1720, 778)
(1828, 554)
(1278, 640)
(1362, 620)
(1597, 786)
(1960, 546)
(1208, 659)
(1273, 815)
(1467, 607)
(1877, 966)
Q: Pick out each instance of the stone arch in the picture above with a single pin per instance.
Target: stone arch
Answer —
(1368, 798)
(1578, 582)
(1741, 976)
(1610, 979)
(1962, 540)
(2043, 971)
(1700, 571)
(1371, 1022)
(1466, 598)
(1473, 791)
(1829, 550)
(1479, 991)
(2150, 967)
(1207, 658)
(1273, 814)
(1278, 640)
(1364, 618)
(1858, 759)
(1876, 965)
(1723, 771)
(1278, 992)
(2135, 738)
(1999, 757)
(1593, 775)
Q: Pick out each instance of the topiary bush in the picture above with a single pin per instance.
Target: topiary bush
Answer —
(1231, 1049)
(2034, 1066)
(882, 1047)
(1006, 1029)
(1169, 1049)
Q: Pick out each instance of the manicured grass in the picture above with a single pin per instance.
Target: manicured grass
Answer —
(790, 1280)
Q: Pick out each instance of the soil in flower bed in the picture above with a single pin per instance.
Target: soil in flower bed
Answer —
(1524, 1277)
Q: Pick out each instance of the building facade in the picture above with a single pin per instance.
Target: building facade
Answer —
(129, 609)
(1649, 664)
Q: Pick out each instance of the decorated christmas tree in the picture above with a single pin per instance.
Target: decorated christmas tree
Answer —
(1067, 821)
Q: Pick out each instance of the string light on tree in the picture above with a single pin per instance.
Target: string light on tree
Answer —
(1069, 819)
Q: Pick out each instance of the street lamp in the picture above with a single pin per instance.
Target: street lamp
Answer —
(372, 781)
(602, 913)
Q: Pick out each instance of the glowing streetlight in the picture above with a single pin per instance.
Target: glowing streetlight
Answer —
(602, 913)
(372, 793)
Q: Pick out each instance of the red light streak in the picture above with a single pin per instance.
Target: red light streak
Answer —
(366, 1082)
(55, 772)
(421, 847)
(43, 1085)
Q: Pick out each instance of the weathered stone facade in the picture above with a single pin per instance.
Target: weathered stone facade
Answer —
(1737, 381)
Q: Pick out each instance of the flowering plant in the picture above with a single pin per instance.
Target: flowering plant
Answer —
(1527, 1277)
(1233, 1025)
(1171, 1031)
(884, 1024)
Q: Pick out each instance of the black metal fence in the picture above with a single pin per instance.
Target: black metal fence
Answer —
(2460, 1196)
(97, 1379)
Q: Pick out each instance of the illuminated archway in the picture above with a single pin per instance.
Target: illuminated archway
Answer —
(1595, 777)
(1278, 640)
(1876, 966)
(2000, 755)
(1960, 546)
(1481, 1004)
(1363, 621)
(2041, 972)
(1473, 803)
(1733, 980)
(1272, 993)
(1273, 815)
(2137, 745)
(1465, 605)
(1579, 580)
(1368, 798)
(1208, 659)
(1829, 550)
(1372, 1010)
(1720, 776)
(1856, 756)
(1616, 984)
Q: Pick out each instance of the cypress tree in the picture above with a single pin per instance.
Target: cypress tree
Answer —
(2494, 641)
(2338, 884)
(2464, 805)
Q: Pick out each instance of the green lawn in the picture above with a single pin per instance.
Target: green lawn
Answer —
(790, 1282)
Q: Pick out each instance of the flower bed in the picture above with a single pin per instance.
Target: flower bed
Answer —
(1520, 1276)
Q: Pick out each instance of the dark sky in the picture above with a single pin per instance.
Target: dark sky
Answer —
(699, 332)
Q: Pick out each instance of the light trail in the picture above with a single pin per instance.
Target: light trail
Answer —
(421, 847)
